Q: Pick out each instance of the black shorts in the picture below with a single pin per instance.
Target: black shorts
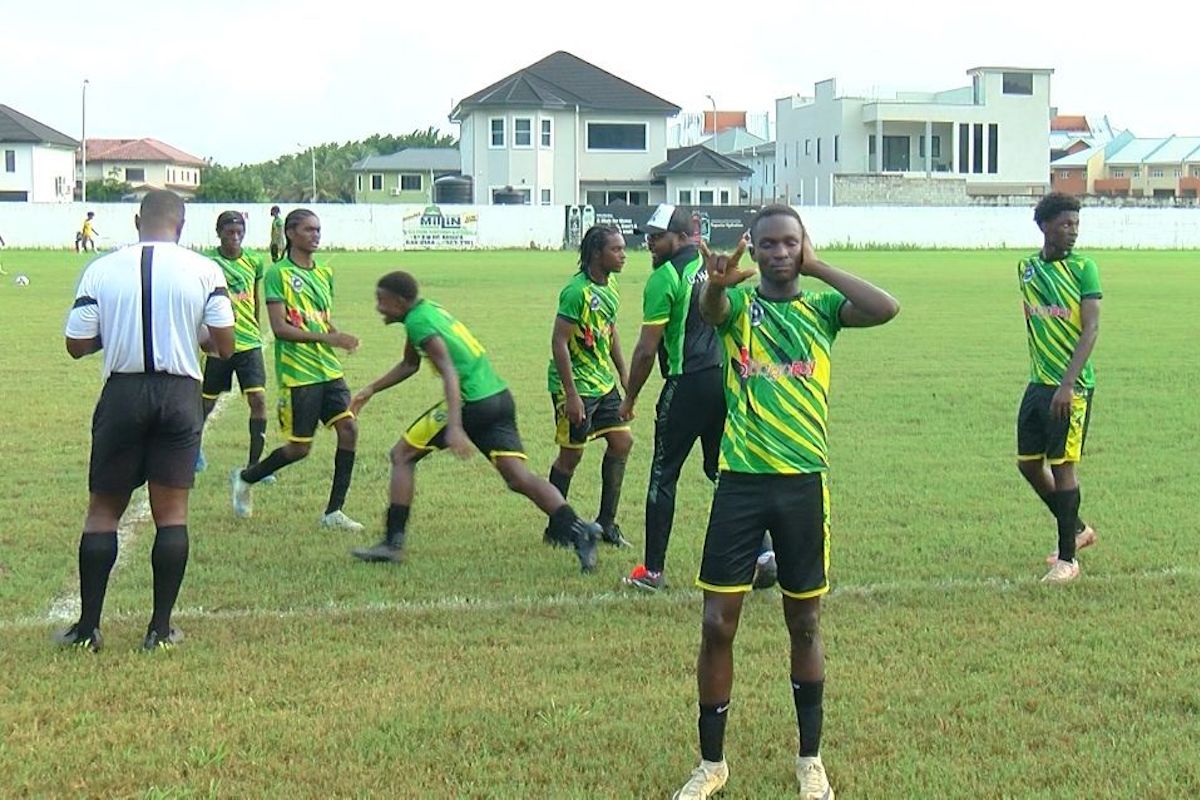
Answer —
(490, 424)
(793, 508)
(601, 415)
(146, 427)
(302, 407)
(1043, 436)
(219, 372)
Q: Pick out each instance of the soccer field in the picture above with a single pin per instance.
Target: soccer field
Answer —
(487, 666)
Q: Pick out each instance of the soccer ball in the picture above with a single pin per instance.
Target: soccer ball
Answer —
(21, 280)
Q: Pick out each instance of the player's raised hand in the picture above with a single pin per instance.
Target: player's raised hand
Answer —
(808, 256)
(722, 269)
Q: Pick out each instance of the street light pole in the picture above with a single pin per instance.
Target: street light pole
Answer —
(313, 153)
(714, 105)
(83, 147)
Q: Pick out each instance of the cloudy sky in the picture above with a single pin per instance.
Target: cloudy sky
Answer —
(246, 81)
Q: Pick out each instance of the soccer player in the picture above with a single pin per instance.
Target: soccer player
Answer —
(299, 292)
(477, 408)
(147, 306)
(87, 234)
(1061, 295)
(584, 349)
(243, 275)
(2, 246)
(777, 341)
(278, 239)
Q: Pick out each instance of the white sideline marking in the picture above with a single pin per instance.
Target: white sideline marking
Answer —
(65, 606)
(533, 603)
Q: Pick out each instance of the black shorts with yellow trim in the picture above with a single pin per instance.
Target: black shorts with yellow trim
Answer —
(601, 416)
(794, 509)
(1041, 435)
(249, 367)
(301, 408)
(490, 424)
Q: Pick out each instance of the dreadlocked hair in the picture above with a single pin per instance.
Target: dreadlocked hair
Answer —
(293, 220)
(593, 243)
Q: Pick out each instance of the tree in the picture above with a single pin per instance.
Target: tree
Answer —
(109, 190)
(230, 185)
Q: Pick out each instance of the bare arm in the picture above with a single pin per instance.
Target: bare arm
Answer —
(1089, 318)
(641, 364)
(78, 348)
(618, 359)
(722, 272)
(405, 369)
(290, 333)
(561, 352)
(866, 304)
(456, 437)
(714, 303)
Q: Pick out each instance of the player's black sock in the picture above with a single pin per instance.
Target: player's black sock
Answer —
(258, 440)
(560, 524)
(97, 554)
(1067, 513)
(397, 521)
(560, 480)
(612, 475)
(343, 470)
(275, 461)
(1048, 499)
(809, 714)
(169, 559)
(712, 731)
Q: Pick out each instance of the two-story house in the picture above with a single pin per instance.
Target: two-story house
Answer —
(144, 164)
(407, 176)
(38, 161)
(563, 131)
(989, 137)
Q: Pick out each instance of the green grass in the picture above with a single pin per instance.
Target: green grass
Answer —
(487, 667)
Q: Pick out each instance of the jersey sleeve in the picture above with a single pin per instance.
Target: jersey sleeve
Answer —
(273, 284)
(1089, 281)
(659, 296)
(218, 309)
(829, 307)
(83, 321)
(739, 302)
(570, 302)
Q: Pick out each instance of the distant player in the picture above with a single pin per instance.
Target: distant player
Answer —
(299, 292)
(777, 342)
(243, 275)
(476, 408)
(584, 349)
(278, 240)
(1060, 290)
(86, 240)
(2, 246)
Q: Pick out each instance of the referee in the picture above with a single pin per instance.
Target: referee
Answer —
(149, 307)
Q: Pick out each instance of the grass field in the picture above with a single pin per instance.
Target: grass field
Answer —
(488, 667)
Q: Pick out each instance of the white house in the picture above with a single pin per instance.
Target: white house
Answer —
(563, 131)
(986, 138)
(38, 161)
(144, 164)
(697, 175)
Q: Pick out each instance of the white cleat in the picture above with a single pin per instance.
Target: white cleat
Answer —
(705, 781)
(810, 774)
(337, 520)
(1062, 572)
(243, 505)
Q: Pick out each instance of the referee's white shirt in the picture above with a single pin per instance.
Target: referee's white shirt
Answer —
(147, 302)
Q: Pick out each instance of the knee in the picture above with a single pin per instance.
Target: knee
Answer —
(804, 627)
(516, 482)
(258, 405)
(718, 629)
(402, 454)
(1030, 469)
(347, 433)
(619, 446)
(568, 460)
(295, 451)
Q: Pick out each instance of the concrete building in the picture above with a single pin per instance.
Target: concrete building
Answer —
(406, 176)
(144, 164)
(697, 175)
(38, 162)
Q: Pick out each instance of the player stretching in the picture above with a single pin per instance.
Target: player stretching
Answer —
(299, 292)
(777, 341)
(584, 348)
(1061, 294)
(477, 409)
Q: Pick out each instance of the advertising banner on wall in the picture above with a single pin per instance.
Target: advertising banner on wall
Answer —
(433, 229)
(720, 226)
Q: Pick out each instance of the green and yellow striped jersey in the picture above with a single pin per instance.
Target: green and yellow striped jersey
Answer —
(1051, 292)
(307, 297)
(476, 378)
(777, 369)
(242, 275)
(592, 307)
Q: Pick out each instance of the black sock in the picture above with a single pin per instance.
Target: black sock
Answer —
(274, 462)
(560, 523)
(1067, 514)
(169, 559)
(343, 470)
(809, 714)
(97, 554)
(712, 731)
(560, 480)
(1048, 499)
(258, 440)
(612, 475)
(397, 520)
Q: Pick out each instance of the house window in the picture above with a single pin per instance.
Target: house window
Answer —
(808, 147)
(359, 182)
(1156, 173)
(595, 198)
(135, 174)
(410, 183)
(964, 147)
(818, 149)
(993, 148)
(1018, 83)
(706, 197)
(547, 132)
(1195, 171)
(620, 136)
(837, 148)
(725, 193)
(977, 147)
(1118, 173)
(497, 128)
(1178, 173)
(10, 160)
(377, 182)
(685, 197)
(871, 145)
(936, 147)
(522, 132)
(546, 197)
(1064, 174)
(1136, 173)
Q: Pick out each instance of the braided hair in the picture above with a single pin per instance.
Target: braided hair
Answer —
(293, 220)
(593, 243)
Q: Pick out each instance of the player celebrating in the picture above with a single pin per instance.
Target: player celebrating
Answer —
(777, 342)
(299, 292)
(1061, 294)
(243, 275)
(584, 348)
(477, 409)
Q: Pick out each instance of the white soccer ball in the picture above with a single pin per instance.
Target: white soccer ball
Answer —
(21, 280)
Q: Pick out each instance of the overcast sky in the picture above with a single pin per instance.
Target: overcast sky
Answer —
(247, 81)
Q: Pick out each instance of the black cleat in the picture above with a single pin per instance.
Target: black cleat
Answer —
(585, 536)
(71, 638)
(612, 535)
(766, 573)
(154, 642)
(384, 551)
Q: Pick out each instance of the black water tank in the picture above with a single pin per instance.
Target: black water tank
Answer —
(508, 196)
(453, 190)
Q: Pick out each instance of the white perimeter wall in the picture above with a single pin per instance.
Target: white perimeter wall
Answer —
(368, 227)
